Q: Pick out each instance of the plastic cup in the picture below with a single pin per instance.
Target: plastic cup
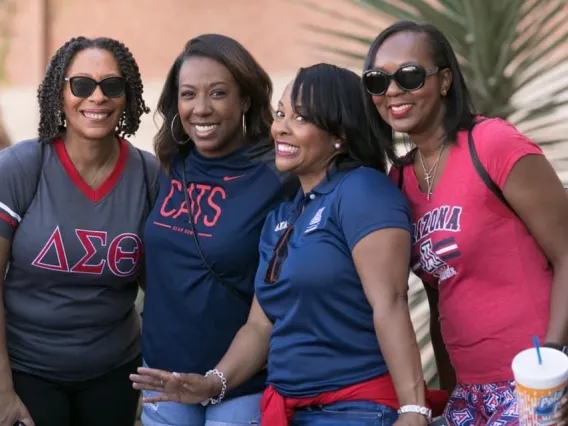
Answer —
(540, 387)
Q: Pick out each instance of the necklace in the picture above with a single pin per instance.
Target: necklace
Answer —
(95, 180)
(429, 175)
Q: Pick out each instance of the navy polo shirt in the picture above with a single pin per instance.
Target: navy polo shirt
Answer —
(324, 337)
(190, 317)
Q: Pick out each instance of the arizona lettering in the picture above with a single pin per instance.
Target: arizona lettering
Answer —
(445, 218)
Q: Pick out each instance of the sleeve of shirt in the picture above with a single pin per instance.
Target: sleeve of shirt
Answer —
(369, 201)
(499, 146)
(20, 168)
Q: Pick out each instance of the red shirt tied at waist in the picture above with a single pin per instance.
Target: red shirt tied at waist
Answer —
(278, 410)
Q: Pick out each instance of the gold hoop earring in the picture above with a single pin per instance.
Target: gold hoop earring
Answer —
(172, 131)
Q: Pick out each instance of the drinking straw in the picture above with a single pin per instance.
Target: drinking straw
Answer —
(537, 347)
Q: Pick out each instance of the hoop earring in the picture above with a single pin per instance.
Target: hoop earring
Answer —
(244, 124)
(172, 131)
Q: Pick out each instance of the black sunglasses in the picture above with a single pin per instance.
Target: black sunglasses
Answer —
(408, 78)
(278, 257)
(83, 87)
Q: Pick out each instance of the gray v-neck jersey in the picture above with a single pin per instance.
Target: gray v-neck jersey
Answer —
(70, 287)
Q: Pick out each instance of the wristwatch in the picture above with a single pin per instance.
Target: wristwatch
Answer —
(417, 409)
(557, 346)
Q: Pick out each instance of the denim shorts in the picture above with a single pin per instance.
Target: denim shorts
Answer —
(244, 410)
(346, 413)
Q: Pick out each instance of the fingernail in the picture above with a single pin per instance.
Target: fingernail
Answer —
(176, 374)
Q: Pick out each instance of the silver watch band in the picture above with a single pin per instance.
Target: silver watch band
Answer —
(417, 409)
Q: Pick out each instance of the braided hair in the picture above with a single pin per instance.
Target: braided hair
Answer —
(50, 91)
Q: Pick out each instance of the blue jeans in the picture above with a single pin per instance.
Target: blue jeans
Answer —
(348, 413)
(244, 410)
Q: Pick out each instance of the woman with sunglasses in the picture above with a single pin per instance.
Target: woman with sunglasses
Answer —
(332, 279)
(72, 207)
(201, 239)
(490, 222)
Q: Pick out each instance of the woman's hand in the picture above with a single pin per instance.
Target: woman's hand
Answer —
(176, 387)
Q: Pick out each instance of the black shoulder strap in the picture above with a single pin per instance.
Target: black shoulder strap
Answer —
(483, 174)
(407, 157)
(40, 168)
(146, 180)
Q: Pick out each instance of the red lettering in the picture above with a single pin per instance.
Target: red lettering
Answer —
(212, 222)
(191, 197)
(86, 238)
(117, 254)
(202, 198)
(203, 189)
(57, 242)
(182, 210)
(174, 184)
(119, 250)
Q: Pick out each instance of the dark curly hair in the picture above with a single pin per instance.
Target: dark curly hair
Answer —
(50, 92)
(252, 79)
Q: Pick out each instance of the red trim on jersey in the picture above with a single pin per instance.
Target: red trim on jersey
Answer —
(9, 219)
(95, 195)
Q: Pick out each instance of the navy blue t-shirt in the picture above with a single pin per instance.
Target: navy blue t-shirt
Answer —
(323, 337)
(190, 318)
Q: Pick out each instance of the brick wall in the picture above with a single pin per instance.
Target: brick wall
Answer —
(156, 30)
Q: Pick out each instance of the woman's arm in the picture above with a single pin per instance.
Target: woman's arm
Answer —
(5, 372)
(11, 408)
(249, 350)
(536, 194)
(244, 358)
(382, 258)
(446, 372)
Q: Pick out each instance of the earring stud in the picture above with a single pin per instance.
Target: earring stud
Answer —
(337, 145)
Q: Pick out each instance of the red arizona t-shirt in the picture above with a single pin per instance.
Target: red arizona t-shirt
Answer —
(493, 279)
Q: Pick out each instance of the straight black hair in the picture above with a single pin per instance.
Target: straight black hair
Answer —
(460, 111)
(331, 99)
(253, 81)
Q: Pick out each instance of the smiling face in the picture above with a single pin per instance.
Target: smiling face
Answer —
(210, 106)
(411, 112)
(301, 147)
(95, 117)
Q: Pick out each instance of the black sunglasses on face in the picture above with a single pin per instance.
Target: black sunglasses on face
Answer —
(83, 87)
(408, 78)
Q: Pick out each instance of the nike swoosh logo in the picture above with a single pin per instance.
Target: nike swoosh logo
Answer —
(230, 178)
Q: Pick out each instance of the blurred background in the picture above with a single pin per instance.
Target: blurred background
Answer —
(514, 55)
